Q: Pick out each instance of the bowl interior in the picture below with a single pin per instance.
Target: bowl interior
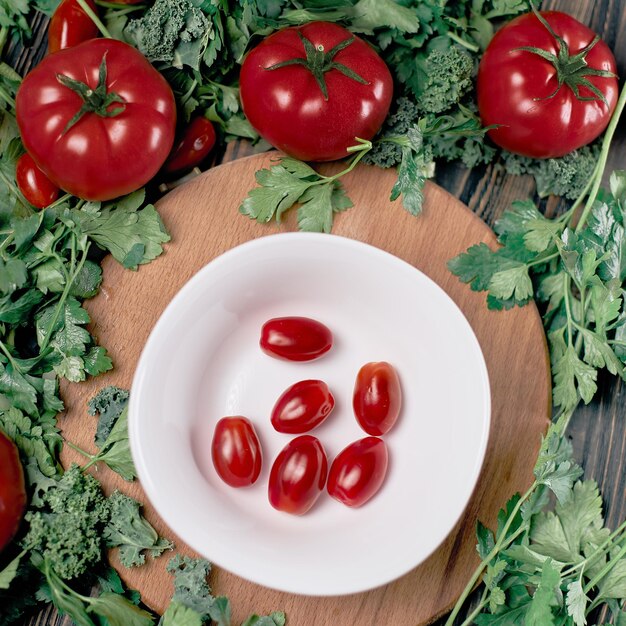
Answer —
(203, 362)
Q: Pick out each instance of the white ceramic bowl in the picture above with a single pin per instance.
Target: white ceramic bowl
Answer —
(202, 362)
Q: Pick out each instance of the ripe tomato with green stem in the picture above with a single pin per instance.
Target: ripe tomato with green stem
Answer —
(70, 25)
(311, 90)
(35, 186)
(12, 490)
(548, 82)
(97, 118)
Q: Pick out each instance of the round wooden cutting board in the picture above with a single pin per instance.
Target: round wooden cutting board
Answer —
(203, 220)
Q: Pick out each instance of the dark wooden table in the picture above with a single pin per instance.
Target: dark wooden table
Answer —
(598, 431)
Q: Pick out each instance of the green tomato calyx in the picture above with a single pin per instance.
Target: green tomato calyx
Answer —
(318, 62)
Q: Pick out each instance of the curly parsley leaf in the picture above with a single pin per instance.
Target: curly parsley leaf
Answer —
(129, 531)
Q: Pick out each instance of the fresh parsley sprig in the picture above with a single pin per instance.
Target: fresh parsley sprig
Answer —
(556, 565)
(293, 182)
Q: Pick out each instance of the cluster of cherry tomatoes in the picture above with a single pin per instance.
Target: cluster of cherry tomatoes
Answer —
(300, 471)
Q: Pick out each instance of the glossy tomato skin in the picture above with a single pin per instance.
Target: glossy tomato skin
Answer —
(236, 451)
(35, 186)
(298, 475)
(193, 147)
(12, 490)
(99, 158)
(514, 88)
(287, 107)
(358, 471)
(70, 25)
(295, 338)
(302, 407)
(377, 398)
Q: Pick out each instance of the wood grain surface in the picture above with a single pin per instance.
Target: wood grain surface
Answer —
(598, 431)
(203, 221)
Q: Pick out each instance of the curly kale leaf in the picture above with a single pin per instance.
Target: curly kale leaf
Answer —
(109, 404)
(449, 78)
(175, 32)
(129, 531)
(67, 530)
(565, 176)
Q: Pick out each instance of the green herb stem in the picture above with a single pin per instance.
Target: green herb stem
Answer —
(599, 550)
(4, 33)
(361, 148)
(462, 42)
(472, 616)
(94, 18)
(82, 452)
(63, 298)
(605, 570)
(6, 352)
(602, 159)
(58, 201)
(567, 291)
(502, 542)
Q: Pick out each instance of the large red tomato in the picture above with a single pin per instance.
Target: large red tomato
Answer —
(538, 80)
(12, 490)
(97, 119)
(70, 25)
(310, 90)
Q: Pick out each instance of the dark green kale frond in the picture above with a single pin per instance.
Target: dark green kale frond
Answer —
(385, 154)
(67, 530)
(449, 77)
(565, 176)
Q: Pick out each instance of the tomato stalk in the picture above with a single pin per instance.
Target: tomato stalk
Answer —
(318, 62)
(96, 100)
(571, 70)
(94, 18)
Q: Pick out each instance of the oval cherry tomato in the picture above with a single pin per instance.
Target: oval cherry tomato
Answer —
(302, 407)
(116, 147)
(35, 186)
(298, 475)
(295, 338)
(520, 90)
(358, 471)
(193, 147)
(236, 451)
(12, 490)
(315, 114)
(377, 398)
(70, 25)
